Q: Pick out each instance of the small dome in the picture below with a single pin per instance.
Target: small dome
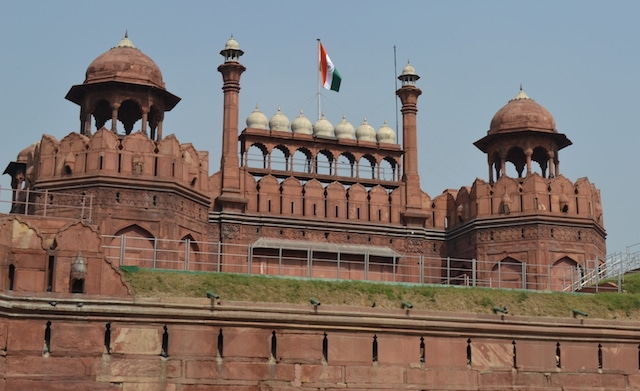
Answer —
(323, 127)
(124, 63)
(409, 75)
(279, 122)
(232, 44)
(301, 124)
(344, 129)
(520, 114)
(386, 134)
(365, 132)
(26, 155)
(408, 70)
(257, 120)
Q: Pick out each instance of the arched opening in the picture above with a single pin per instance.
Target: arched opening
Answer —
(279, 159)
(134, 246)
(77, 285)
(188, 254)
(302, 161)
(346, 165)
(508, 273)
(367, 167)
(101, 113)
(388, 169)
(256, 157)
(129, 113)
(565, 275)
(324, 163)
(12, 277)
(518, 159)
(541, 156)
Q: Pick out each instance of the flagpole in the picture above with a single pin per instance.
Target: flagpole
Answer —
(395, 77)
(318, 79)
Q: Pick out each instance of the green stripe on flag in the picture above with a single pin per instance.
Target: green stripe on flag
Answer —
(335, 81)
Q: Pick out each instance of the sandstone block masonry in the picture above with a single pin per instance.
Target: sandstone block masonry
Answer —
(197, 345)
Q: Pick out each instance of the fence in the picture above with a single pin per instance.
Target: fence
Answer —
(46, 203)
(307, 262)
(313, 262)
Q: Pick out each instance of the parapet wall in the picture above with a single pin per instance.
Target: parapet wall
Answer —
(199, 345)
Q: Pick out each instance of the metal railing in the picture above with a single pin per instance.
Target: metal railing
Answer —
(46, 203)
(190, 255)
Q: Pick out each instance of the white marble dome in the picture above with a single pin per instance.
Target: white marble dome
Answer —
(232, 44)
(279, 122)
(301, 124)
(323, 127)
(344, 129)
(386, 134)
(365, 132)
(257, 120)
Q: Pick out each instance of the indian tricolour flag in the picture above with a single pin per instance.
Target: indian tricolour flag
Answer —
(330, 77)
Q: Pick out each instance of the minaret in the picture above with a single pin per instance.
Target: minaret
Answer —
(413, 214)
(231, 198)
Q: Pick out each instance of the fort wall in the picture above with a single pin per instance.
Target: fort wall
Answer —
(201, 344)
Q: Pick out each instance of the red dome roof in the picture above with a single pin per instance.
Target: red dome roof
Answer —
(124, 63)
(520, 114)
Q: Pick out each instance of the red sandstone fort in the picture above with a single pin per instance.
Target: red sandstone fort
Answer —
(290, 198)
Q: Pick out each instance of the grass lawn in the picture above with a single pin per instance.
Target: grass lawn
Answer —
(248, 288)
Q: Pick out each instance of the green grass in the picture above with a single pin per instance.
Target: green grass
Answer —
(247, 288)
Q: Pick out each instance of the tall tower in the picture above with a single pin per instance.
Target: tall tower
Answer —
(528, 225)
(413, 214)
(139, 183)
(231, 198)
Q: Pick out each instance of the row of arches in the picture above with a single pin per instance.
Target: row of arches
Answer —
(509, 272)
(347, 164)
(128, 112)
(520, 160)
(137, 246)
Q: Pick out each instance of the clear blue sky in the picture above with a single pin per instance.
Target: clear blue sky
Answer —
(579, 59)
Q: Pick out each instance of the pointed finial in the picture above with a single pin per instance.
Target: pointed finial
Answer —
(521, 95)
(125, 42)
(126, 33)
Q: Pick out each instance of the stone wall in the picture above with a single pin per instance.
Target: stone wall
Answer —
(197, 345)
